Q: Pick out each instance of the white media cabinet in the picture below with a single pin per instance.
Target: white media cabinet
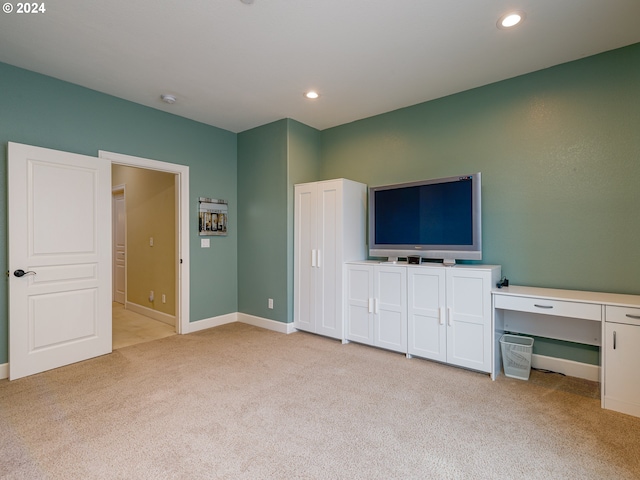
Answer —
(449, 314)
(610, 321)
(428, 310)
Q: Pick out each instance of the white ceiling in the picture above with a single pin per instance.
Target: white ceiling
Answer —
(238, 66)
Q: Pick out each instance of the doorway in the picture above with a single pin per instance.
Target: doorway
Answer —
(144, 283)
(178, 290)
(73, 287)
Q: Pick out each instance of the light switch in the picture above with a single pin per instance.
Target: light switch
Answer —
(204, 243)
(151, 241)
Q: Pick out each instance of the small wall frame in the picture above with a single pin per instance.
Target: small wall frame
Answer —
(213, 216)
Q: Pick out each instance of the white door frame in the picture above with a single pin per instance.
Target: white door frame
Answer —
(182, 182)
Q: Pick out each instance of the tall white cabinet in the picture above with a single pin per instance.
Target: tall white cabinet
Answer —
(329, 229)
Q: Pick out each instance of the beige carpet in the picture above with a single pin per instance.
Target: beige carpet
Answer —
(239, 402)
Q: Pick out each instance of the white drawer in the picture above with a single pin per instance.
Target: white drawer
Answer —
(587, 311)
(627, 315)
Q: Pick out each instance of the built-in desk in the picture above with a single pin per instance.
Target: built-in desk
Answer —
(610, 321)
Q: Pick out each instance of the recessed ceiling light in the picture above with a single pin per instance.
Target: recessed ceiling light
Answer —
(510, 20)
(311, 95)
(166, 98)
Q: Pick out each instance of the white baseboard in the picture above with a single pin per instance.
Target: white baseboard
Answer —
(568, 367)
(211, 322)
(242, 318)
(266, 323)
(4, 371)
(151, 313)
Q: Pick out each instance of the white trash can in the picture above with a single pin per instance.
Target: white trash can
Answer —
(516, 355)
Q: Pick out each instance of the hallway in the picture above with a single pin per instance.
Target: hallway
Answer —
(131, 328)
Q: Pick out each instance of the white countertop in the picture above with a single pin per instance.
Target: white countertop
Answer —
(570, 295)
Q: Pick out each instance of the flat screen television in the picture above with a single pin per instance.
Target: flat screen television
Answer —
(438, 219)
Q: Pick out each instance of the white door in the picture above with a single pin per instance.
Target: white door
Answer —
(469, 319)
(621, 376)
(390, 308)
(305, 258)
(427, 316)
(59, 209)
(119, 246)
(328, 294)
(359, 311)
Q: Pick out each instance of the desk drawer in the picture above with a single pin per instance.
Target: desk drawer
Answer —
(587, 311)
(628, 315)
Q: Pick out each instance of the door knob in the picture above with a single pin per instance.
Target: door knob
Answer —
(21, 273)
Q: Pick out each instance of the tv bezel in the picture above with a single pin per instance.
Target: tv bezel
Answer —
(448, 253)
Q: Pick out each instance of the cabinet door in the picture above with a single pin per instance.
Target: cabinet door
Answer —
(426, 313)
(359, 314)
(305, 248)
(328, 287)
(390, 308)
(469, 319)
(621, 373)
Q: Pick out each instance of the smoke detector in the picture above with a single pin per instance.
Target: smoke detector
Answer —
(170, 99)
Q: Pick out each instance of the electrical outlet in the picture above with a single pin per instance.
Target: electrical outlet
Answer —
(271, 303)
(151, 296)
(151, 241)
(164, 298)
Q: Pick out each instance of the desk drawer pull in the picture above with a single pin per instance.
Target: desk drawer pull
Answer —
(635, 317)
(614, 339)
(542, 306)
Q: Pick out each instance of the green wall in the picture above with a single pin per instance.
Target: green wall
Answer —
(45, 112)
(559, 152)
(271, 160)
(262, 221)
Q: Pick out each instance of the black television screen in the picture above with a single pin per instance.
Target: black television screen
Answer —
(437, 218)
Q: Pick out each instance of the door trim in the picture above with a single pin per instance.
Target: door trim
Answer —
(182, 245)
